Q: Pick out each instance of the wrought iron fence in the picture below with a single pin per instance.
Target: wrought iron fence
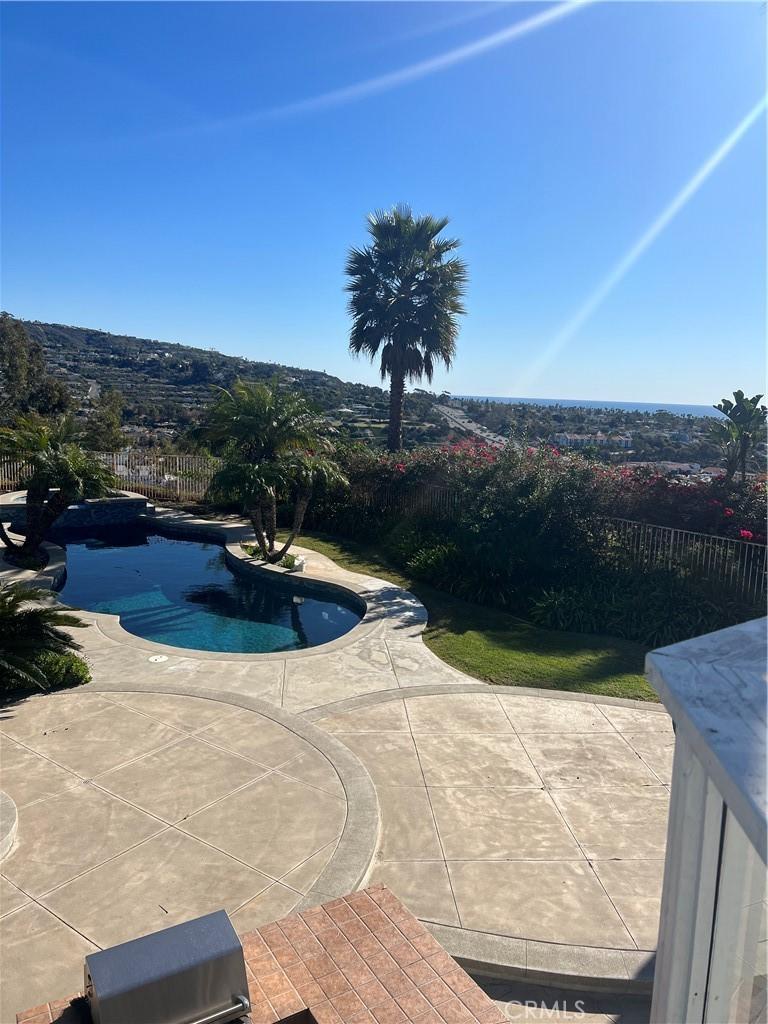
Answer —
(738, 566)
(431, 499)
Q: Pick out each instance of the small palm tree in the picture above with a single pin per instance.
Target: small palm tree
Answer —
(27, 630)
(273, 443)
(58, 472)
(406, 296)
(745, 419)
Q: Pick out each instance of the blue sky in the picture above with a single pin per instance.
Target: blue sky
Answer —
(163, 176)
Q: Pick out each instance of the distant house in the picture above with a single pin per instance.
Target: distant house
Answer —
(621, 441)
(598, 440)
(670, 468)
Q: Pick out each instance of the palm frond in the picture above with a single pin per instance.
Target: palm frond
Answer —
(405, 294)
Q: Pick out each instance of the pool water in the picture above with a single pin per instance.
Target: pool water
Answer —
(181, 592)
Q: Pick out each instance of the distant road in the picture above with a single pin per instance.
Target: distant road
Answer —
(458, 418)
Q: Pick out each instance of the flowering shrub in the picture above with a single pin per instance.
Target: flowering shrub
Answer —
(524, 529)
(706, 507)
(626, 492)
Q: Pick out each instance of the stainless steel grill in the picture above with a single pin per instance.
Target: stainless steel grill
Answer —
(192, 973)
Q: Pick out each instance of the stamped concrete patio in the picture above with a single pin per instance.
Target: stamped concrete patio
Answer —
(537, 820)
(525, 827)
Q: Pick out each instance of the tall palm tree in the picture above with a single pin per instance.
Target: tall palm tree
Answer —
(745, 418)
(27, 629)
(406, 296)
(273, 443)
(58, 472)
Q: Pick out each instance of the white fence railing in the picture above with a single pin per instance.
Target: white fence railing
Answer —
(159, 477)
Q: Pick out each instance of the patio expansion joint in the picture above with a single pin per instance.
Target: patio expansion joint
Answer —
(283, 676)
(548, 790)
(168, 827)
(92, 780)
(432, 812)
(200, 734)
(36, 901)
(175, 826)
(641, 759)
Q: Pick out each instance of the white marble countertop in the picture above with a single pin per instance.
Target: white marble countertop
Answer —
(715, 689)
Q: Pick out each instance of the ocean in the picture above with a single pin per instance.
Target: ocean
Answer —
(583, 403)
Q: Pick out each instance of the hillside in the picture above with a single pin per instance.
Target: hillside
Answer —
(166, 385)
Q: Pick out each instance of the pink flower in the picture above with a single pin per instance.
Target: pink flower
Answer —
(727, 511)
(746, 534)
(400, 467)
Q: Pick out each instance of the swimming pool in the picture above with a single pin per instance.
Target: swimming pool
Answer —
(182, 593)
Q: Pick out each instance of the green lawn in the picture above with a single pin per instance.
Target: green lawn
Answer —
(497, 647)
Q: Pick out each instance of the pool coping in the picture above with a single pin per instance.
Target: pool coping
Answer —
(367, 700)
(8, 498)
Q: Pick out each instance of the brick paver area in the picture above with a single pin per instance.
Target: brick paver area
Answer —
(361, 959)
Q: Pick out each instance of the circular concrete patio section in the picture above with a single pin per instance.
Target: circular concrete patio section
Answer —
(141, 810)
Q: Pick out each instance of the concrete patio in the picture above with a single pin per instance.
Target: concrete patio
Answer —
(534, 821)
(525, 827)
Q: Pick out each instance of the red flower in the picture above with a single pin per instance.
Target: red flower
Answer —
(727, 511)
(400, 467)
(746, 534)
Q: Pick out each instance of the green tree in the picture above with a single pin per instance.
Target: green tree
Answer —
(59, 472)
(51, 397)
(745, 421)
(273, 445)
(25, 385)
(406, 294)
(30, 632)
(103, 431)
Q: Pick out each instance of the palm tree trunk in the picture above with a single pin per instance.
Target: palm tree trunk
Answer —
(41, 515)
(743, 451)
(302, 501)
(257, 522)
(396, 395)
(271, 525)
(11, 545)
